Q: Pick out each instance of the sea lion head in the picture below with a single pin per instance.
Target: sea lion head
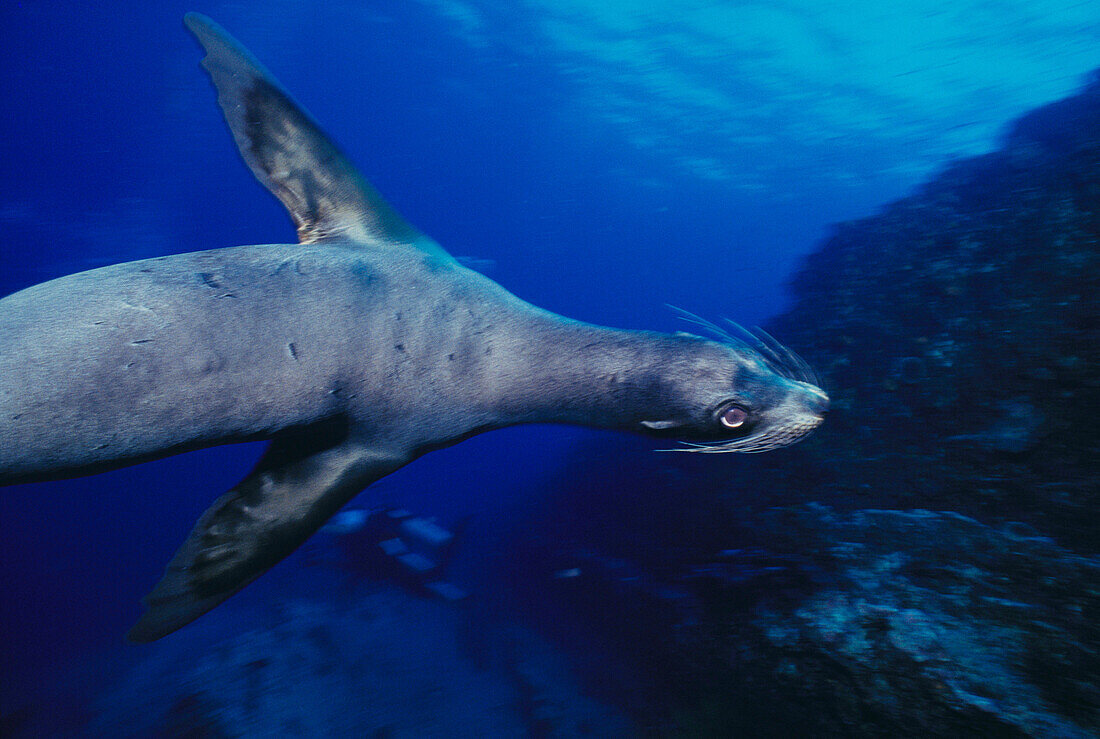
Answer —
(736, 394)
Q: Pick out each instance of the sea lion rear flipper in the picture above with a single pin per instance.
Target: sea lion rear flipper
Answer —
(291, 156)
(289, 495)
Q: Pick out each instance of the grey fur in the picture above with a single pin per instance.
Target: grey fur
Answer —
(354, 352)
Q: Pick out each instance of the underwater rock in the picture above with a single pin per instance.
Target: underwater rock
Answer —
(910, 370)
(958, 334)
(936, 624)
(385, 664)
(394, 545)
(1018, 430)
(867, 623)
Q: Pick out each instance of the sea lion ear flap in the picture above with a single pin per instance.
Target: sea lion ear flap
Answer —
(291, 156)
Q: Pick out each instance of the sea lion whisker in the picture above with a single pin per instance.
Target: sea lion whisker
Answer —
(741, 339)
(775, 359)
(800, 368)
(779, 356)
(774, 354)
(712, 328)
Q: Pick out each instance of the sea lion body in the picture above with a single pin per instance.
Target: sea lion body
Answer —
(141, 360)
(133, 361)
(353, 352)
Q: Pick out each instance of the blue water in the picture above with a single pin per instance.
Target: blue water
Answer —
(605, 159)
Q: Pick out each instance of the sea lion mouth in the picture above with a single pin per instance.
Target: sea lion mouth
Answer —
(774, 438)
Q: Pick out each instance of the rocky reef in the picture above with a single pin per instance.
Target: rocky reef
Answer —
(868, 623)
(931, 624)
(381, 663)
(926, 564)
(958, 332)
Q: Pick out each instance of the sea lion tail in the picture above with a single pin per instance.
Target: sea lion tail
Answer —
(291, 156)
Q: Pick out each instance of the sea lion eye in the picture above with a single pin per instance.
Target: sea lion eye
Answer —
(733, 417)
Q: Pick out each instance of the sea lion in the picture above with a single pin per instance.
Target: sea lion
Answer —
(354, 352)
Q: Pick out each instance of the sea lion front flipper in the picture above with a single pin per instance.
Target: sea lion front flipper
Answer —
(291, 156)
(290, 494)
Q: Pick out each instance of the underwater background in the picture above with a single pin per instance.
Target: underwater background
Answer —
(906, 194)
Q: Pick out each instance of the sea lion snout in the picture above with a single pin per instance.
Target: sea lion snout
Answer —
(742, 398)
(814, 399)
